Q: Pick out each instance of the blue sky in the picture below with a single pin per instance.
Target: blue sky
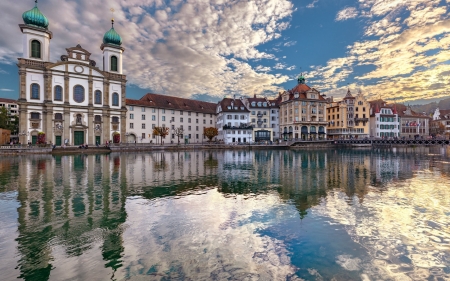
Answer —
(206, 49)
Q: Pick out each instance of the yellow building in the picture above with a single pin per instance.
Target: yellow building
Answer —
(349, 118)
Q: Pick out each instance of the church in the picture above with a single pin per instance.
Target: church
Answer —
(71, 101)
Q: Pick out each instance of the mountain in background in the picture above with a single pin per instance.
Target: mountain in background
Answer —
(429, 108)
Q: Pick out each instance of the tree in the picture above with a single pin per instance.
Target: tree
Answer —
(179, 133)
(163, 132)
(4, 118)
(441, 129)
(210, 133)
(156, 133)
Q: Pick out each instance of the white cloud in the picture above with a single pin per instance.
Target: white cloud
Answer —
(312, 4)
(181, 47)
(290, 43)
(347, 13)
(291, 67)
(262, 68)
(280, 66)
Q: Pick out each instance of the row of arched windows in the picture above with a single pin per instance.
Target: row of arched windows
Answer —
(78, 94)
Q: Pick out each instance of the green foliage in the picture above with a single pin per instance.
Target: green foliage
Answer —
(8, 122)
(4, 118)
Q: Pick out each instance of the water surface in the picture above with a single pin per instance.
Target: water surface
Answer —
(227, 215)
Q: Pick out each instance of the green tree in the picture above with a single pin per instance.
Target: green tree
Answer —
(4, 119)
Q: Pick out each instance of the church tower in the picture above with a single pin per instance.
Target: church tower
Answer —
(112, 51)
(36, 36)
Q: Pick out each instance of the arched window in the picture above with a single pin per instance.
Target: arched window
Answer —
(58, 116)
(36, 49)
(98, 97)
(78, 93)
(35, 91)
(115, 119)
(115, 99)
(98, 118)
(58, 93)
(113, 63)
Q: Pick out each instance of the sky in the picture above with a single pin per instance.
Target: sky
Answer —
(208, 49)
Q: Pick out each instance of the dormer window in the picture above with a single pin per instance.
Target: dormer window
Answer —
(242, 108)
(296, 95)
(253, 103)
(265, 104)
(259, 103)
(229, 107)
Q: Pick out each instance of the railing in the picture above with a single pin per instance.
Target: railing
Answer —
(33, 63)
(226, 127)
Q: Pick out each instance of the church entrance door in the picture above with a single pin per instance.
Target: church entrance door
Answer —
(58, 140)
(98, 140)
(33, 139)
(78, 138)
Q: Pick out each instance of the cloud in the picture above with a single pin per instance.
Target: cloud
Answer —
(291, 67)
(262, 68)
(6, 90)
(290, 43)
(172, 47)
(347, 13)
(312, 4)
(280, 66)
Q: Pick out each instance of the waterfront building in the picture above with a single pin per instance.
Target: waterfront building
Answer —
(233, 121)
(303, 113)
(384, 120)
(349, 118)
(413, 124)
(71, 100)
(440, 125)
(275, 117)
(263, 118)
(154, 110)
(12, 109)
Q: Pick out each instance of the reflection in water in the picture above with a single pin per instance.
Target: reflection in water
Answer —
(214, 215)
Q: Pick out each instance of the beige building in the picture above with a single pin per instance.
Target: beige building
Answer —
(154, 110)
(349, 118)
(413, 124)
(303, 113)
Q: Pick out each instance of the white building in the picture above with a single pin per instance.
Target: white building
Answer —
(154, 110)
(233, 122)
(71, 99)
(263, 118)
(384, 120)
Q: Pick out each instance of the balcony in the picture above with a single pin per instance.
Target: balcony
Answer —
(241, 127)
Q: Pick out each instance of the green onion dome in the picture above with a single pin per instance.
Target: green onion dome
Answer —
(112, 37)
(35, 17)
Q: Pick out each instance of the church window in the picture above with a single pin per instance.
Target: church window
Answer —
(58, 116)
(98, 97)
(113, 63)
(98, 118)
(35, 115)
(115, 99)
(78, 93)
(35, 91)
(58, 93)
(115, 119)
(36, 49)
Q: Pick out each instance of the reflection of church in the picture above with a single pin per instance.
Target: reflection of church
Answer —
(72, 98)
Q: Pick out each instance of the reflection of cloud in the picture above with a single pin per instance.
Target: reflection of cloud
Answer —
(178, 47)
(406, 234)
(181, 234)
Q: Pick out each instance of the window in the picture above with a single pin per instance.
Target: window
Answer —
(196, 120)
(189, 128)
(98, 118)
(143, 136)
(196, 136)
(173, 127)
(153, 117)
(181, 112)
(189, 119)
(204, 121)
(35, 91)
(58, 116)
(78, 93)
(115, 99)
(210, 121)
(131, 126)
(196, 128)
(172, 119)
(115, 119)
(143, 117)
(153, 110)
(131, 108)
(189, 113)
(164, 118)
(131, 116)
(173, 111)
(58, 93)
(142, 109)
(36, 49)
(98, 98)
(181, 119)
(113, 63)
(143, 125)
(153, 126)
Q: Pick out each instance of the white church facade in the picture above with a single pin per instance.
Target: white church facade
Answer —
(71, 101)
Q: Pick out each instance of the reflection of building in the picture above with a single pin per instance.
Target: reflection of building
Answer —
(349, 118)
(154, 110)
(384, 120)
(412, 123)
(233, 120)
(71, 99)
(302, 113)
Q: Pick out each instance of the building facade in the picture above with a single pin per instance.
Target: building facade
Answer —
(349, 118)
(233, 121)
(12, 109)
(384, 120)
(413, 124)
(440, 125)
(71, 101)
(303, 113)
(263, 118)
(153, 110)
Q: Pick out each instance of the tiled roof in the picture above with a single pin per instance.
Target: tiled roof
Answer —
(401, 108)
(444, 112)
(302, 89)
(175, 103)
(237, 103)
(7, 100)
